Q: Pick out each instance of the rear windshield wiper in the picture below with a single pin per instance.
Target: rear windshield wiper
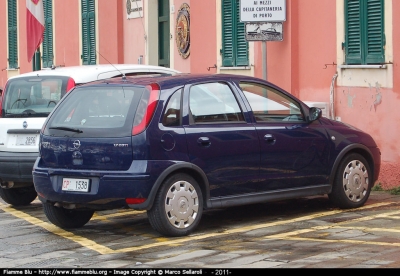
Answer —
(25, 114)
(67, 129)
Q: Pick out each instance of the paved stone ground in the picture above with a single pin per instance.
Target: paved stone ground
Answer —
(302, 233)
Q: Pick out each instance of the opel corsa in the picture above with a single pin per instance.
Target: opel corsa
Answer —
(178, 145)
(24, 105)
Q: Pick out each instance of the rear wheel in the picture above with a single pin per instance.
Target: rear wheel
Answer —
(18, 196)
(66, 218)
(178, 206)
(352, 184)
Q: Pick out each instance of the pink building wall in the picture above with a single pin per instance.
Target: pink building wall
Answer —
(297, 64)
(375, 110)
(133, 39)
(3, 45)
(303, 64)
(316, 47)
(22, 43)
(203, 39)
(66, 33)
(111, 36)
(282, 63)
(396, 48)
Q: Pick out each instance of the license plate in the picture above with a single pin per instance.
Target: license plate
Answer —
(77, 185)
(26, 140)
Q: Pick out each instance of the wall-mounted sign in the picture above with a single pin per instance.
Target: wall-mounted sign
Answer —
(267, 31)
(134, 8)
(262, 10)
(182, 30)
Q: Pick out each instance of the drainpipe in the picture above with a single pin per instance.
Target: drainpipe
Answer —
(332, 98)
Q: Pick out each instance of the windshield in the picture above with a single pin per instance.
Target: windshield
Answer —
(33, 96)
(104, 111)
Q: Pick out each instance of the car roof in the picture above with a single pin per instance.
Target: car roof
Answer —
(171, 81)
(88, 73)
(179, 79)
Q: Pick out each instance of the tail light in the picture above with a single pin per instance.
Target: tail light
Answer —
(70, 84)
(146, 108)
(135, 200)
(1, 100)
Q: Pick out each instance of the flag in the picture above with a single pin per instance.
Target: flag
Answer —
(34, 26)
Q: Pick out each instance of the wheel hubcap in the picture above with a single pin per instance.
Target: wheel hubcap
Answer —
(181, 204)
(355, 180)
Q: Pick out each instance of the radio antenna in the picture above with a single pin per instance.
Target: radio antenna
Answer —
(123, 75)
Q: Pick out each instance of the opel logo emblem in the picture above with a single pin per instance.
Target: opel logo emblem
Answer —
(76, 144)
(25, 124)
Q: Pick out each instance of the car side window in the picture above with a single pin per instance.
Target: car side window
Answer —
(270, 105)
(172, 113)
(214, 103)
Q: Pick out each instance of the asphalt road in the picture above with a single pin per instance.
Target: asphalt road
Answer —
(301, 233)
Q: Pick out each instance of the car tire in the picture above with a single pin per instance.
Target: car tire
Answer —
(67, 218)
(18, 196)
(353, 182)
(177, 207)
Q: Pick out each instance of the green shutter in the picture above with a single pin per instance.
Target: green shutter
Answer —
(227, 33)
(88, 32)
(12, 34)
(242, 48)
(234, 45)
(375, 40)
(364, 29)
(353, 31)
(48, 54)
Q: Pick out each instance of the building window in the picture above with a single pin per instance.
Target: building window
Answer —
(235, 48)
(48, 55)
(88, 32)
(12, 34)
(364, 30)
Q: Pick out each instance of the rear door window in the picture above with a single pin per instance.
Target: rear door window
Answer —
(214, 103)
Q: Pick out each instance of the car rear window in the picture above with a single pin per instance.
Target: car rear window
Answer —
(33, 96)
(96, 112)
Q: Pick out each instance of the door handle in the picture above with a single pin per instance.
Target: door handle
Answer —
(204, 141)
(269, 138)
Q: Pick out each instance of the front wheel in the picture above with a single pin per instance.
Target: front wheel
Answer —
(18, 196)
(67, 218)
(352, 184)
(178, 206)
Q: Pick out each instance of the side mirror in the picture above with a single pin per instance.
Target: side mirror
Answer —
(315, 113)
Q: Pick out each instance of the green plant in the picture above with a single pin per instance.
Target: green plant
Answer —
(377, 187)
(395, 191)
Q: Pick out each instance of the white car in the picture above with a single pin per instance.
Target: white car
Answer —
(26, 102)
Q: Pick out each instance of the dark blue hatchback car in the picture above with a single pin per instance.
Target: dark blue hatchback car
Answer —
(176, 145)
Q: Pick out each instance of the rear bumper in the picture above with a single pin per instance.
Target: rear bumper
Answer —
(108, 189)
(17, 166)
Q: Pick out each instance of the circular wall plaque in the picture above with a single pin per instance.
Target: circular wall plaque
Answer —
(182, 30)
